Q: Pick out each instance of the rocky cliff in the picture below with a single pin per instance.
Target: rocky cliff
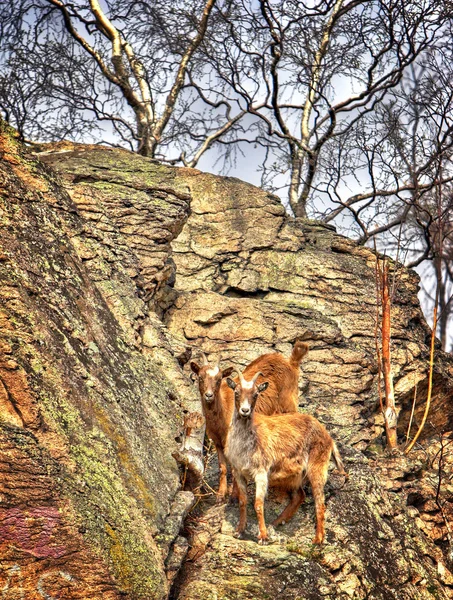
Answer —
(88, 415)
(113, 269)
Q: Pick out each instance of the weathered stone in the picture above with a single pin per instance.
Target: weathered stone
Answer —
(88, 416)
(243, 279)
(367, 552)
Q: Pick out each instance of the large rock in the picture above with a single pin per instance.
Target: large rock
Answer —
(240, 278)
(372, 550)
(250, 279)
(88, 419)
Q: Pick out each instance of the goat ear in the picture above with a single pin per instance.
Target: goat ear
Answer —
(227, 372)
(263, 386)
(195, 367)
(231, 383)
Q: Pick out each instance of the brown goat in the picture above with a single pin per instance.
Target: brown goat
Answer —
(217, 399)
(281, 451)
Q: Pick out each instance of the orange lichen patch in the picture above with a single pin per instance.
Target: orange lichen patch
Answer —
(137, 486)
(30, 180)
(22, 170)
(119, 558)
(8, 147)
(8, 413)
(19, 399)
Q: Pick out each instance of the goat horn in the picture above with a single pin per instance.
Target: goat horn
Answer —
(205, 360)
(255, 377)
(239, 374)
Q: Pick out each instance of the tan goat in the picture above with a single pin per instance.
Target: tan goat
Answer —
(281, 451)
(217, 399)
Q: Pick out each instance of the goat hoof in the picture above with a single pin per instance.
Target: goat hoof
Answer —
(238, 534)
(263, 541)
(220, 500)
(277, 523)
(317, 540)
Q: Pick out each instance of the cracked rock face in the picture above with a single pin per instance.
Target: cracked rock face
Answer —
(88, 413)
(250, 280)
(132, 211)
(371, 550)
(146, 265)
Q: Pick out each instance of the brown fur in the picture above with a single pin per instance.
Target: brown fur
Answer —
(282, 375)
(281, 451)
(280, 397)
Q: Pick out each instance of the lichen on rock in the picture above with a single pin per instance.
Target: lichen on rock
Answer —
(102, 414)
(113, 270)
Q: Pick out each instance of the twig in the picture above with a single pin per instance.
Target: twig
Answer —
(430, 381)
(376, 327)
(412, 411)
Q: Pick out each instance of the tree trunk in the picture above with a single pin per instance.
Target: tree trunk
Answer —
(147, 144)
(443, 307)
(390, 416)
(297, 207)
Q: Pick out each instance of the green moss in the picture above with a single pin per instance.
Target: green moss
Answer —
(312, 552)
(6, 129)
(112, 519)
(433, 590)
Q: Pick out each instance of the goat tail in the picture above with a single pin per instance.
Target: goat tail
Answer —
(300, 349)
(338, 461)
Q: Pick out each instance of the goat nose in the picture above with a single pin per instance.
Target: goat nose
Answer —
(245, 412)
(209, 396)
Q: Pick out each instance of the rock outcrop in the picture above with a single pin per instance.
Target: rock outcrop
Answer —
(111, 274)
(249, 279)
(88, 417)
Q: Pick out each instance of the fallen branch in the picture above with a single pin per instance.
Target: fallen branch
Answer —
(190, 454)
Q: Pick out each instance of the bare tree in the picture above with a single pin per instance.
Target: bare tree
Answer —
(432, 244)
(116, 70)
(171, 80)
(406, 151)
(344, 104)
(312, 74)
(418, 150)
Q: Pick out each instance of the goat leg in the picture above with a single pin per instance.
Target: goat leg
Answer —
(223, 487)
(320, 532)
(318, 478)
(261, 491)
(242, 489)
(297, 497)
(234, 491)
